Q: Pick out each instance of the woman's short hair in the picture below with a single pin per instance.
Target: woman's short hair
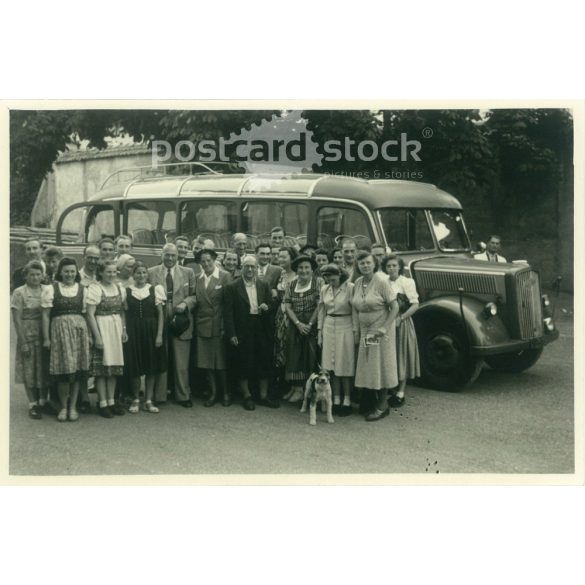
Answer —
(292, 253)
(321, 252)
(332, 253)
(400, 261)
(139, 264)
(101, 267)
(365, 254)
(53, 252)
(66, 262)
(105, 241)
(32, 265)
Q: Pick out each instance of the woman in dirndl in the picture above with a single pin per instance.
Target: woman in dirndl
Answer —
(301, 301)
(336, 335)
(65, 333)
(106, 301)
(375, 309)
(406, 344)
(31, 366)
(144, 354)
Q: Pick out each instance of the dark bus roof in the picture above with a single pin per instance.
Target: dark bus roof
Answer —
(374, 193)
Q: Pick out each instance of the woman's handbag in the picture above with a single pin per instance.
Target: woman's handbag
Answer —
(403, 303)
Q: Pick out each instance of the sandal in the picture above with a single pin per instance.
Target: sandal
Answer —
(150, 407)
(73, 415)
(134, 407)
(62, 416)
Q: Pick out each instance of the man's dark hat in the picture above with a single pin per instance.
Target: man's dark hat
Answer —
(179, 324)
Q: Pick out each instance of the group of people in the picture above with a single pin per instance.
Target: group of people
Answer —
(261, 320)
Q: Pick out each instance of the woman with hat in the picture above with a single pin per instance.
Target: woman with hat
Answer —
(211, 350)
(301, 301)
(336, 335)
(144, 353)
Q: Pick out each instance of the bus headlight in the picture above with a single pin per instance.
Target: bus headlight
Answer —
(490, 310)
(549, 324)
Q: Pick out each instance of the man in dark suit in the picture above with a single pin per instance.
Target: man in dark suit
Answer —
(247, 304)
(179, 284)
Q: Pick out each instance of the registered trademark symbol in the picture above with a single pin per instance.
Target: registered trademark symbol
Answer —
(427, 132)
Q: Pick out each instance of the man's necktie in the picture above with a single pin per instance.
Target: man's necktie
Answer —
(169, 286)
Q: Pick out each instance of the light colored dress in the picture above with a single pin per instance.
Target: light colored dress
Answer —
(109, 302)
(406, 343)
(336, 324)
(376, 367)
(70, 355)
(32, 371)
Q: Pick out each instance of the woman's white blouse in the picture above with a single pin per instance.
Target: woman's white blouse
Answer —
(48, 294)
(140, 294)
(96, 290)
(406, 286)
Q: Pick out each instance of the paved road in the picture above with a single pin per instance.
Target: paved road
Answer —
(504, 424)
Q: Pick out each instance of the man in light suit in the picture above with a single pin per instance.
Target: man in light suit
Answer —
(247, 303)
(492, 251)
(210, 341)
(179, 285)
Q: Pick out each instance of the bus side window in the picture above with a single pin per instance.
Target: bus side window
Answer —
(151, 223)
(335, 222)
(100, 223)
(214, 220)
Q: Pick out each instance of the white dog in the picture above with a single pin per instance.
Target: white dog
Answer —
(318, 389)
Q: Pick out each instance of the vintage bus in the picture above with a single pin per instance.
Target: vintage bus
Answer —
(471, 312)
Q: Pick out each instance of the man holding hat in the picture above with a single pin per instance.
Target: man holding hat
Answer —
(179, 285)
(247, 303)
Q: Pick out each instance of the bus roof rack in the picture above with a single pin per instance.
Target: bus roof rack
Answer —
(128, 174)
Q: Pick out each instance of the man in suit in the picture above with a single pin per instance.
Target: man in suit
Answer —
(182, 243)
(179, 284)
(210, 340)
(33, 250)
(271, 274)
(247, 304)
(492, 253)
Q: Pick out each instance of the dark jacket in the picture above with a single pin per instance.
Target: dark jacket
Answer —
(236, 309)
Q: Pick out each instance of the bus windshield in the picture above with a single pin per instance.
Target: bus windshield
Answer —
(449, 230)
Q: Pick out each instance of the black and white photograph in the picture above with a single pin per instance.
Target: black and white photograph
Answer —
(343, 293)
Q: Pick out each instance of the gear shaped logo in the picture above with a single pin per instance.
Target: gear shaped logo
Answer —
(282, 144)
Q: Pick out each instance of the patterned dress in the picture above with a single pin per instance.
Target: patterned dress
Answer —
(376, 367)
(109, 303)
(301, 350)
(281, 320)
(32, 371)
(70, 355)
(406, 343)
(336, 324)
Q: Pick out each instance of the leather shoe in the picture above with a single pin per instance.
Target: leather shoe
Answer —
(395, 401)
(118, 409)
(269, 402)
(227, 401)
(377, 415)
(84, 407)
(209, 402)
(249, 404)
(186, 403)
(105, 412)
